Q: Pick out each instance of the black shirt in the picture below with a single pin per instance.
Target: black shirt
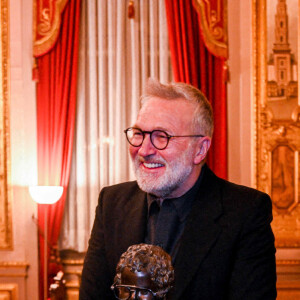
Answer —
(167, 218)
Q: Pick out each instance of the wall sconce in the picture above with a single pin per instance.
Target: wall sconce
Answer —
(43, 194)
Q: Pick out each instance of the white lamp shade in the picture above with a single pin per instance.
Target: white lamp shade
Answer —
(45, 194)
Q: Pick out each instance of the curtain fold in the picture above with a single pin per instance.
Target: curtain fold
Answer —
(117, 55)
(194, 64)
(56, 103)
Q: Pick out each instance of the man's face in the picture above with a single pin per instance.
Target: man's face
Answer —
(172, 171)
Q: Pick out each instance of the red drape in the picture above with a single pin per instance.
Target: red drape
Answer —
(194, 64)
(56, 102)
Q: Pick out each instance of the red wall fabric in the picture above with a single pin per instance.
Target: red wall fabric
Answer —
(56, 103)
(194, 64)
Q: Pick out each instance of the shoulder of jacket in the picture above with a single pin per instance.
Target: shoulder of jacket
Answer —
(229, 188)
(121, 189)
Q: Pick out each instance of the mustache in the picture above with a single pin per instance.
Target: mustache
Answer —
(150, 159)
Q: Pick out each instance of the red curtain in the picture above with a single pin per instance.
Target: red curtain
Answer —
(56, 102)
(193, 63)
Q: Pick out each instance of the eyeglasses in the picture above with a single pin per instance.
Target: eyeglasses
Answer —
(124, 292)
(159, 138)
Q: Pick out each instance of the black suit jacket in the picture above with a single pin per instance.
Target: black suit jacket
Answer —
(226, 251)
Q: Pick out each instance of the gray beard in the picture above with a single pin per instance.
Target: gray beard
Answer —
(176, 174)
(158, 187)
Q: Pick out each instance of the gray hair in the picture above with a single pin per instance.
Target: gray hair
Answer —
(203, 121)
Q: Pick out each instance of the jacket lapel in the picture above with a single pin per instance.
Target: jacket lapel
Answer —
(200, 233)
(132, 223)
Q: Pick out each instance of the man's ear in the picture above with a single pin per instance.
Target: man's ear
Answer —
(202, 149)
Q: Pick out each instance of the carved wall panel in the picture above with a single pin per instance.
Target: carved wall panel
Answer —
(5, 204)
(8, 291)
(277, 112)
(13, 276)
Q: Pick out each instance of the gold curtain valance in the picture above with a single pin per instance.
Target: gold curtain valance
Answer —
(213, 25)
(46, 24)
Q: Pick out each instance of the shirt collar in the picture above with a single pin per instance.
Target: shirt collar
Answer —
(183, 203)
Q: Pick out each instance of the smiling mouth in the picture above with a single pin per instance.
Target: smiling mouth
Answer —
(152, 165)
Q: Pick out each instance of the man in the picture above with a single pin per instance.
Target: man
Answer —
(144, 272)
(217, 233)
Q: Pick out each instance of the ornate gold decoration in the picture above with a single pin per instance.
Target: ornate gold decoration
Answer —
(213, 24)
(5, 194)
(46, 24)
(277, 142)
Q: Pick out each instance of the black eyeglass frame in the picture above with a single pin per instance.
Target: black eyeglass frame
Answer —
(137, 288)
(168, 136)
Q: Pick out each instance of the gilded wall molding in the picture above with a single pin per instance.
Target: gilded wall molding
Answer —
(6, 242)
(13, 264)
(13, 269)
(288, 262)
(9, 291)
(276, 130)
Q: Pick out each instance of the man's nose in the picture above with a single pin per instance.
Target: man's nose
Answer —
(147, 147)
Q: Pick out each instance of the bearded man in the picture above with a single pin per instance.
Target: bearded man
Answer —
(217, 233)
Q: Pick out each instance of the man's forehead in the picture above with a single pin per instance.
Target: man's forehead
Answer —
(157, 101)
(161, 111)
(167, 106)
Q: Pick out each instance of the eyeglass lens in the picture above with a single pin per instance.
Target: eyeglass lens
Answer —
(125, 293)
(158, 138)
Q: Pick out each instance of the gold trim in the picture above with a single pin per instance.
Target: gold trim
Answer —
(287, 262)
(14, 275)
(6, 242)
(72, 261)
(13, 264)
(49, 32)
(215, 36)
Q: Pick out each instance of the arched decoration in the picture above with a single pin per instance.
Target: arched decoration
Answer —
(46, 24)
(213, 25)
